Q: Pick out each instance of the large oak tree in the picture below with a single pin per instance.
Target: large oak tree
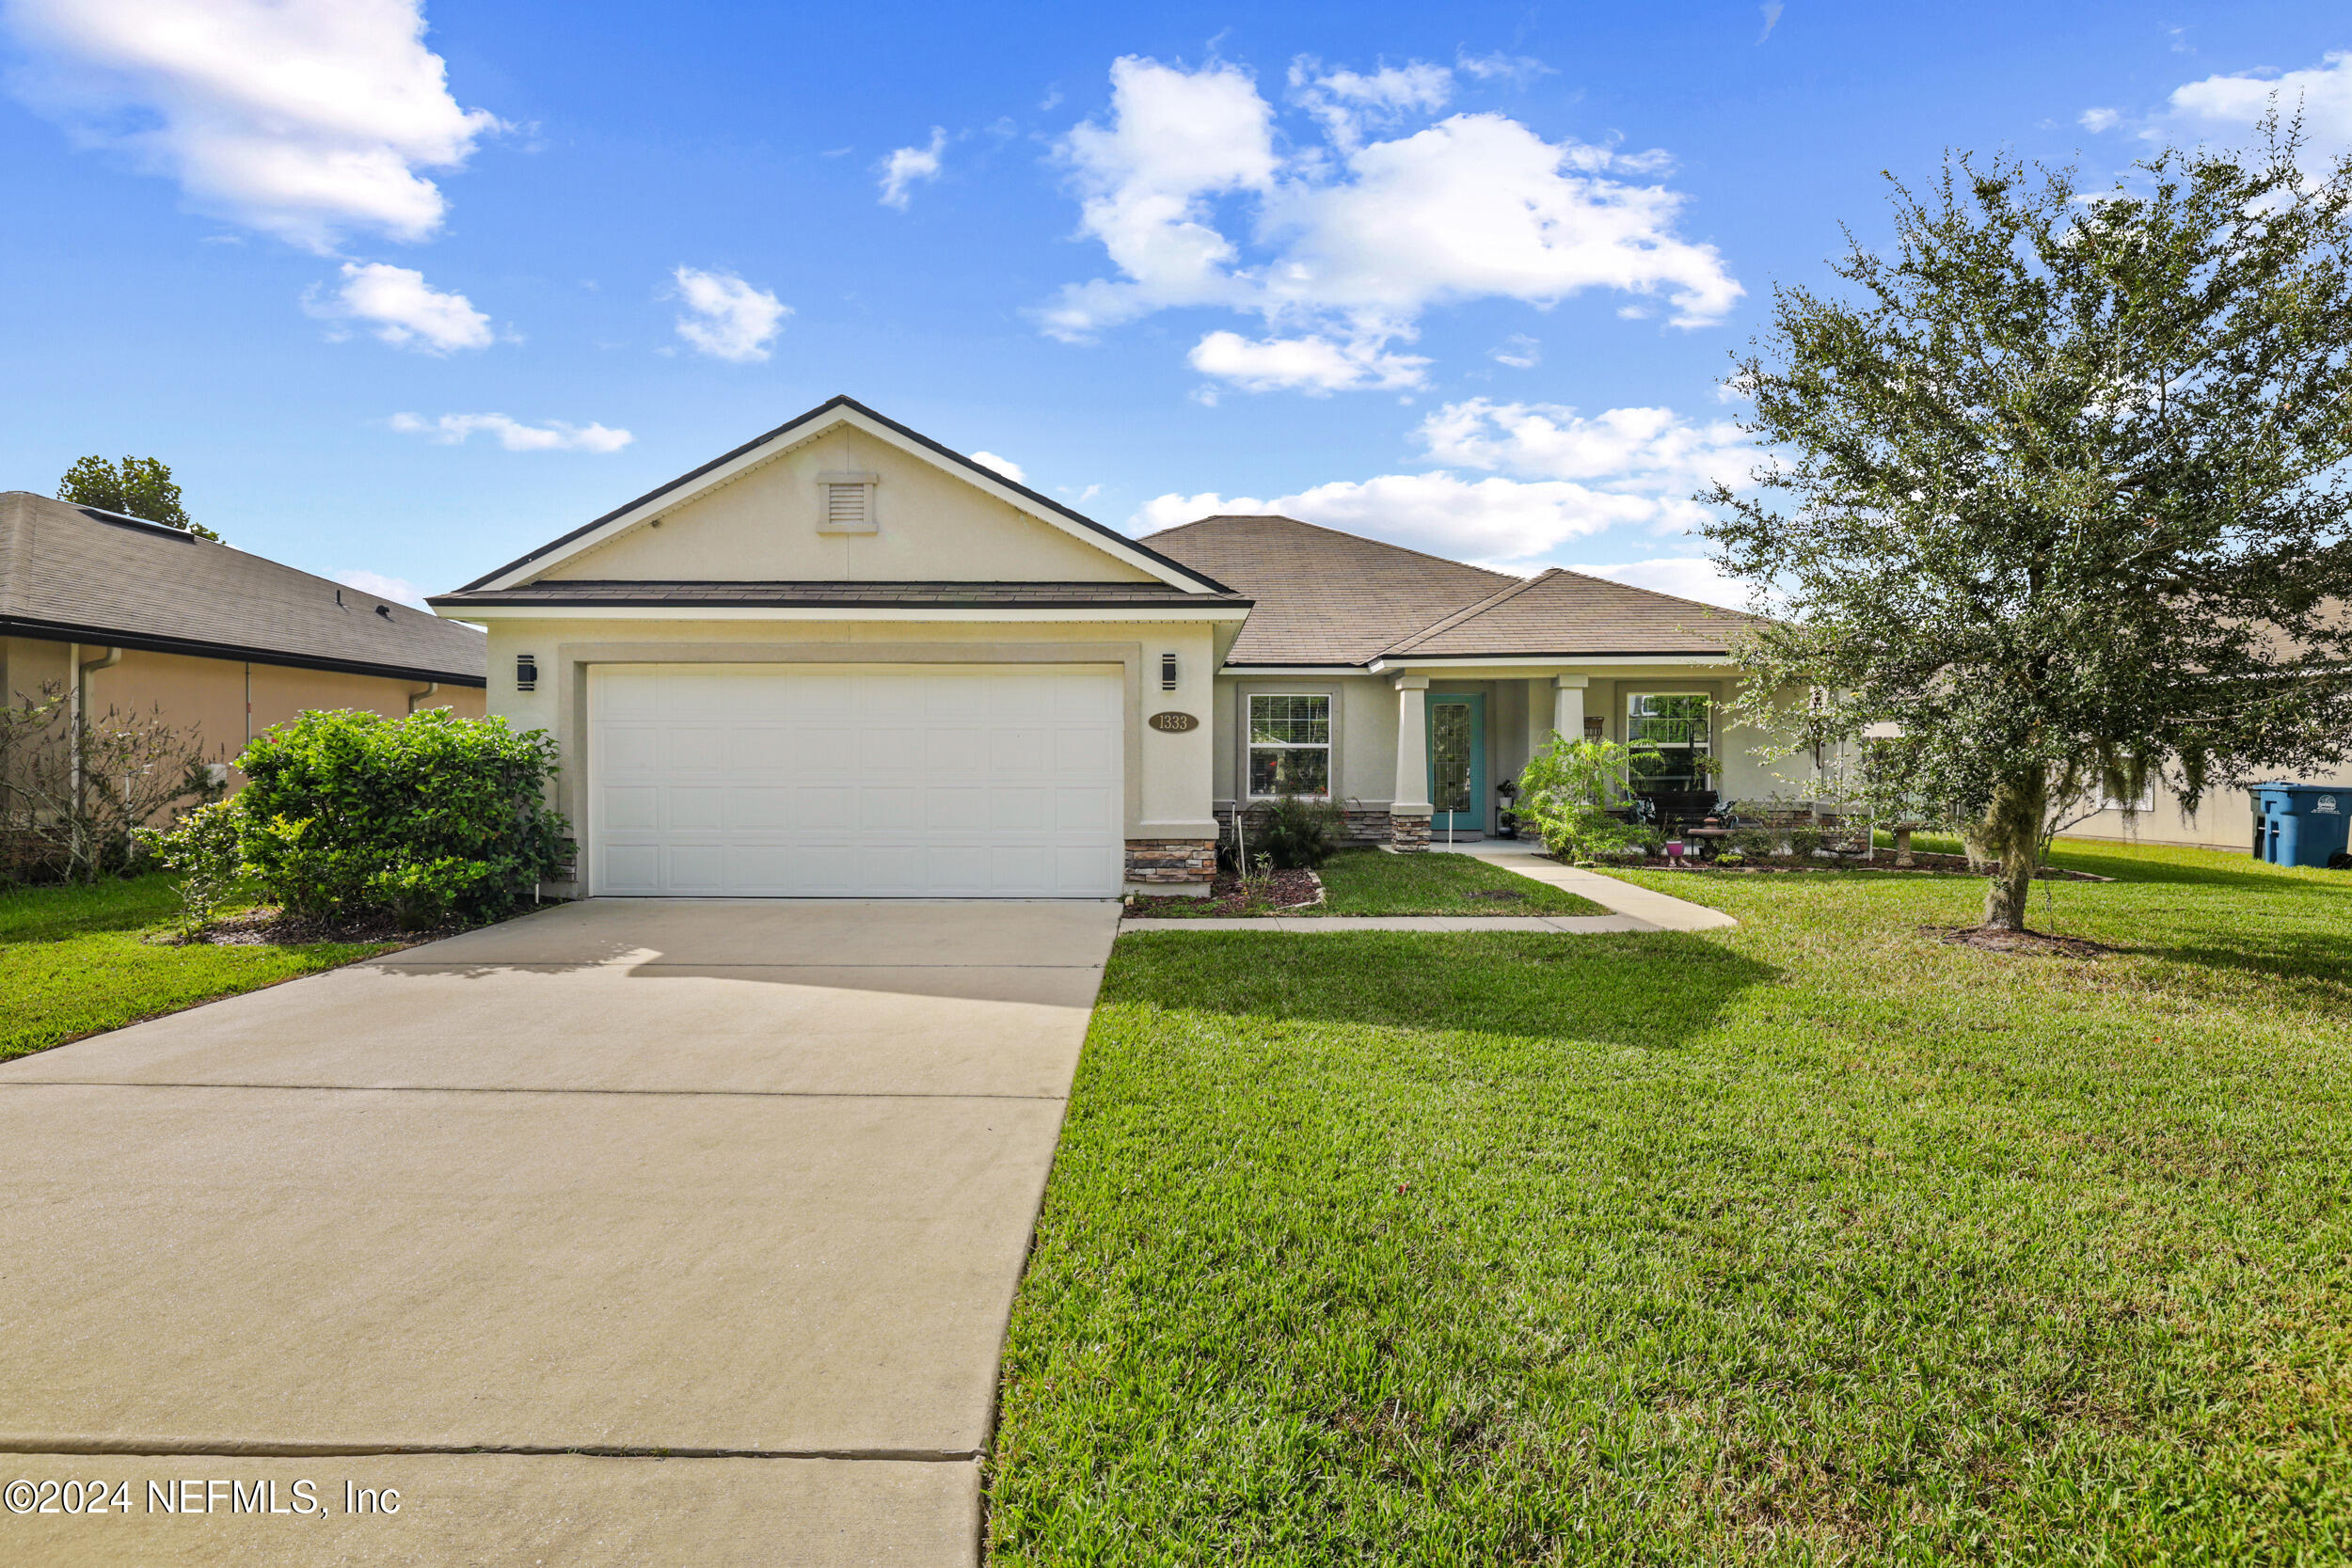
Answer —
(2059, 500)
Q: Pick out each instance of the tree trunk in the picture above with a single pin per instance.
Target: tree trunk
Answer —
(2008, 839)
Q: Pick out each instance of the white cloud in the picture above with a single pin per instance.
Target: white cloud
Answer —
(1502, 521)
(905, 166)
(1685, 577)
(1347, 103)
(302, 119)
(406, 312)
(1771, 9)
(1518, 351)
(1517, 70)
(1351, 241)
(1003, 465)
(1554, 478)
(399, 590)
(1647, 450)
(554, 436)
(727, 317)
(2098, 121)
(1315, 365)
(2227, 106)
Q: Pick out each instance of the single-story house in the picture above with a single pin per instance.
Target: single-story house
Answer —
(843, 660)
(129, 615)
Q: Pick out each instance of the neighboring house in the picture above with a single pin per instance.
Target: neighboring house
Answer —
(844, 661)
(131, 616)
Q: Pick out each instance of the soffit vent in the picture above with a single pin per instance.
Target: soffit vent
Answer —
(846, 503)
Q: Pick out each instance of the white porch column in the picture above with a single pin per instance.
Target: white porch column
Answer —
(1567, 705)
(1409, 808)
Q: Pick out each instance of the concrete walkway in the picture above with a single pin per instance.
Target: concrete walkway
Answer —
(1634, 909)
(632, 1231)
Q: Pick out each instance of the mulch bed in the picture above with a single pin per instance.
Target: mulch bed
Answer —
(1227, 897)
(1999, 939)
(274, 928)
(1925, 865)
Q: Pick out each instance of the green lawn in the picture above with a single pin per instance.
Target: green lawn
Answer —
(73, 962)
(1369, 882)
(1817, 1240)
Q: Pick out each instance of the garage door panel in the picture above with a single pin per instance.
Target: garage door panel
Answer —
(627, 807)
(689, 810)
(765, 780)
(696, 868)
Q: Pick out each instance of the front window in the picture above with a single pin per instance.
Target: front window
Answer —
(1289, 745)
(1669, 733)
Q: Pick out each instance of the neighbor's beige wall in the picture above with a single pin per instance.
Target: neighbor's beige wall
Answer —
(1167, 775)
(2224, 820)
(208, 695)
(762, 527)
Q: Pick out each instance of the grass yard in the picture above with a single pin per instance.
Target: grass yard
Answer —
(1369, 881)
(1817, 1240)
(73, 962)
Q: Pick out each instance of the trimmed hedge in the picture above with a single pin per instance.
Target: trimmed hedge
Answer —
(428, 818)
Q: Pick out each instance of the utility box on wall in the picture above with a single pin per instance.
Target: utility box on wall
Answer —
(2300, 824)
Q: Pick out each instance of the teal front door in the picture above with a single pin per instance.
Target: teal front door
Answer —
(1457, 762)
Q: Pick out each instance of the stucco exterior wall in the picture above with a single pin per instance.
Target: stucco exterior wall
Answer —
(211, 695)
(1166, 774)
(933, 527)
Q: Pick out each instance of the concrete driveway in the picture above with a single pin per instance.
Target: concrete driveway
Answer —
(643, 1231)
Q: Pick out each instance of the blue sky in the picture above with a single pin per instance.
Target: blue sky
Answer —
(404, 290)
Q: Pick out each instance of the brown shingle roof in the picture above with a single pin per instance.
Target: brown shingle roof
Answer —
(1323, 596)
(963, 596)
(1569, 613)
(76, 574)
(1328, 597)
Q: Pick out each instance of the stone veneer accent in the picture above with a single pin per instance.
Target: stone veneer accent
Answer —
(1365, 824)
(1408, 834)
(1171, 862)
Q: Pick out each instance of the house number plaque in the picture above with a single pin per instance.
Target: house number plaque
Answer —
(1174, 723)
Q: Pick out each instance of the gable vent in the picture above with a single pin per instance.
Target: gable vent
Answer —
(846, 503)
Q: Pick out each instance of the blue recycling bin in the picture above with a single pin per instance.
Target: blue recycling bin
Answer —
(2300, 824)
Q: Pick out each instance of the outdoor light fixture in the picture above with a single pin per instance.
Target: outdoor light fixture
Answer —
(526, 672)
(1168, 671)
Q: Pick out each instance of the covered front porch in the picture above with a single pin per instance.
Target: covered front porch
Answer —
(1416, 750)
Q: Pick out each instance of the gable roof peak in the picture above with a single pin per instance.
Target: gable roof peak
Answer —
(805, 426)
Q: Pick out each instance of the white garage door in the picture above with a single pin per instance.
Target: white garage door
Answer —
(937, 782)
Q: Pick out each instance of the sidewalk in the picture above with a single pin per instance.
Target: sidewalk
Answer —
(1635, 909)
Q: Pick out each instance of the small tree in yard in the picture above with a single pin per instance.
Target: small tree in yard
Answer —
(74, 790)
(2063, 496)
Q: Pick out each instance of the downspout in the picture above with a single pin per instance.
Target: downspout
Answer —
(415, 697)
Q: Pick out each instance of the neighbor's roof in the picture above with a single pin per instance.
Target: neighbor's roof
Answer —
(1323, 596)
(76, 574)
(1331, 598)
(879, 595)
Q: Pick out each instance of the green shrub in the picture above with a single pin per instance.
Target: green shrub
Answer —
(1731, 857)
(1754, 844)
(1563, 795)
(425, 818)
(1803, 839)
(1301, 833)
(203, 846)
